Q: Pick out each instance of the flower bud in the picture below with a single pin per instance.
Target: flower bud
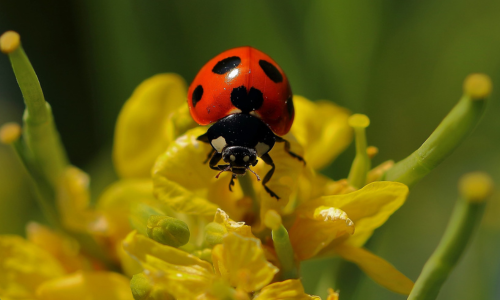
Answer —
(214, 232)
(143, 289)
(168, 231)
(204, 254)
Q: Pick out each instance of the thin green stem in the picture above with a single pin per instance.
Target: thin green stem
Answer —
(284, 250)
(39, 131)
(442, 142)
(465, 218)
(361, 164)
(44, 192)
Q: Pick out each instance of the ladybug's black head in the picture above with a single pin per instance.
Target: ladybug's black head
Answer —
(239, 158)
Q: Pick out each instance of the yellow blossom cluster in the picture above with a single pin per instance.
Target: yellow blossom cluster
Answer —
(179, 232)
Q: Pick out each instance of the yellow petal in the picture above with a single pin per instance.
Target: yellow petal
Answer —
(332, 295)
(377, 268)
(181, 281)
(63, 248)
(119, 199)
(146, 124)
(317, 185)
(368, 208)
(237, 227)
(85, 286)
(321, 127)
(73, 201)
(291, 289)
(242, 263)
(182, 180)
(139, 247)
(221, 290)
(312, 232)
(24, 266)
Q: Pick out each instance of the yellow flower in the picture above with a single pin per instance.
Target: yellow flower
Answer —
(240, 267)
(165, 242)
(45, 271)
(241, 262)
(322, 214)
(341, 224)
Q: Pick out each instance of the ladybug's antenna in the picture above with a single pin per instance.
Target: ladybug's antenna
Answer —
(226, 169)
(258, 177)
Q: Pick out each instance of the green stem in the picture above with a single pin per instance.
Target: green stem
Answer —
(285, 253)
(41, 150)
(39, 131)
(361, 164)
(465, 218)
(43, 190)
(442, 142)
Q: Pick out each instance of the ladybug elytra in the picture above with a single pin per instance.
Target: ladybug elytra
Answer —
(247, 98)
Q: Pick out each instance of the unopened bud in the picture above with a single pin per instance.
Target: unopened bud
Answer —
(204, 254)
(168, 231)
(143, 289)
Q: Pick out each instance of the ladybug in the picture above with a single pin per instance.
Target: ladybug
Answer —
(246, 97)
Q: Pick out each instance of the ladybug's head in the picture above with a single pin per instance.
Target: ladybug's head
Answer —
(239, 158)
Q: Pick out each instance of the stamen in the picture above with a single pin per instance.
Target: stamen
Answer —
(258, 177)
(226, 169)
(361, 164)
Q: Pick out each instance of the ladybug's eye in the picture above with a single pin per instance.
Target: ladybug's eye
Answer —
(271, 71)
(226, 65)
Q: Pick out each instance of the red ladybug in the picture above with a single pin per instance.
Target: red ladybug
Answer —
(247, 98)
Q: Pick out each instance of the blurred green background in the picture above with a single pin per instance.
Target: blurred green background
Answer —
(400, 62)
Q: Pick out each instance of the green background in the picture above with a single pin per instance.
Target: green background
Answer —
(400, 62)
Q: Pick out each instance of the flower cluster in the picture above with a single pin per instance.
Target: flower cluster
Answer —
(176, 230)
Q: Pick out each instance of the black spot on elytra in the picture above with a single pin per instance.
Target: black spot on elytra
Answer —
(226, 65)
(247, 102)
(289, 105)
(197, 94)
(271, 71)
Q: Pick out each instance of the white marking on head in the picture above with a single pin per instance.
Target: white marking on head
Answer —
(262, 149)
(235, 111)
(219, 143)
(246, 158)
(232, 157)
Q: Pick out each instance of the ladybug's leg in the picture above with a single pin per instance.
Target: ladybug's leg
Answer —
(287, 148)
(268, 160)
(209, 155)
(231, 183)
(215, 160)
